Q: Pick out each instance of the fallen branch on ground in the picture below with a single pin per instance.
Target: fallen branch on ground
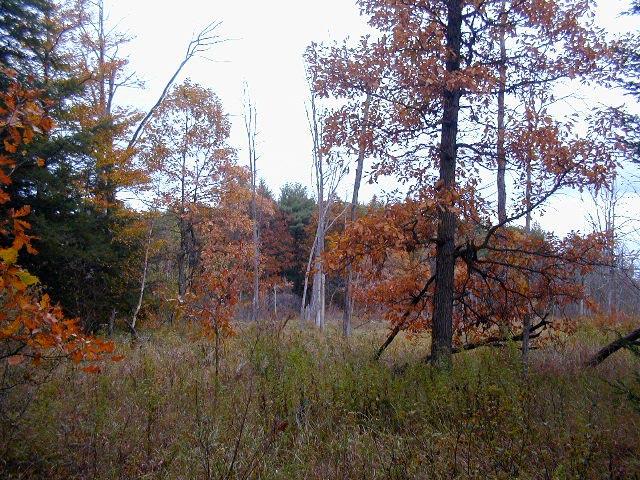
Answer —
(613, 347)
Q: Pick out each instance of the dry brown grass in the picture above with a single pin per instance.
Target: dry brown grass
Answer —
(309, 405)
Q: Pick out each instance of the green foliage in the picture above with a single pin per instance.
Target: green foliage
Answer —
(298, 208)
(22, 28)
(82, 262)
(264, 190)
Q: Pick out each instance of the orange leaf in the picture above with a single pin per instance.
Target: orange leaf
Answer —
(91, 369)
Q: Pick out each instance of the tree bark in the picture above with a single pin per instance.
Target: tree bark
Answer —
(183, 254)
(527, 318)
(348, 301)
(275, 302)
(317, 295)
(182, 259)
(613, 347)
(255, 304)
(442, 330)
(303, 304)
(250, 126)
(501, 152)
(318, 303)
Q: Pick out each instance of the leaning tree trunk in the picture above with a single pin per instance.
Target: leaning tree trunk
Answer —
(348, 300)
(613, 347)
(442, 330)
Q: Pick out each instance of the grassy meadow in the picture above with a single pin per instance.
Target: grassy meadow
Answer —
(286, 404)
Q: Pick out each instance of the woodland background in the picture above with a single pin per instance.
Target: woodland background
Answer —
(164, 311)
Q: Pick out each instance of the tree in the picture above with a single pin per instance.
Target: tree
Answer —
(226, 260)
(317, 306)
(82, 263)
(297, 208)
(626, 75)
(445, 244)
(433, 71)
(20, 28)
(538, 47)
(276, 243)
(110, 167)
(328, 171)
(188, 157)
(348, 302)
(31, 327)
(250, 119)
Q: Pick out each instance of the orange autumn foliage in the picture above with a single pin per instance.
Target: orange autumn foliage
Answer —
(226, 258)
(498, 280)
(31, 327)
(434, 72)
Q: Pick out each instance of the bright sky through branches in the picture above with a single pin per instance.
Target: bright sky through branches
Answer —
(266, 42)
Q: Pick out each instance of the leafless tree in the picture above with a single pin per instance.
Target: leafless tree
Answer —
(327, 172)
(199, 43)
(250, 121)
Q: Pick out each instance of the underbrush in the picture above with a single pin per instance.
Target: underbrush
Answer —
(310, 406)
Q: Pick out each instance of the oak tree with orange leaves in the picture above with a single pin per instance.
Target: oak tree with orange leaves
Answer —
(188, 157)
(434, 71)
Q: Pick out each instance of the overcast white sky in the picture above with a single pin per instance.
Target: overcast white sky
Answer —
(269, 38)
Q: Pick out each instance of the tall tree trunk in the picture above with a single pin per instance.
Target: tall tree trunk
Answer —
(250, 126)
(112, 321)
(305, 289)
(611, 230)
(501, 152)
(255, 304)
(317, 296)
(348, 300)
(183, 259)
(275, 302)
(183, 254)
(442, 331)
(526, 329)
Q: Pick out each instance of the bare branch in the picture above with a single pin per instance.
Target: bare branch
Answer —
(202, 42)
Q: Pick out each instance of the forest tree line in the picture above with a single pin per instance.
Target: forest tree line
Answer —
(123, 219)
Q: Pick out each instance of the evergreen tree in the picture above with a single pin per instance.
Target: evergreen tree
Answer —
(22, 29)
(298, 208)
(80, 262)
